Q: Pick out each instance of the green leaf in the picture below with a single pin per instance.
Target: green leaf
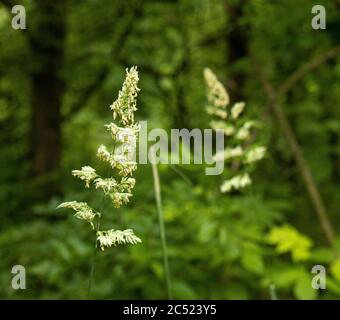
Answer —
(333, 286)
(287, 276)
(322, 255)
(335, 269)
(235, 291)
(303, 289)
(252, 261)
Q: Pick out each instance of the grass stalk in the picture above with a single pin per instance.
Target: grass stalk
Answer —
(93, 261)
(157, 189)
(272, 292)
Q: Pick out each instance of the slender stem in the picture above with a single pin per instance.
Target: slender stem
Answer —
(95, 243)
(306, 173)
(307, 176)
(157, 188)
(272, 292)
(309, 66)
(93, 260)
(181, 174)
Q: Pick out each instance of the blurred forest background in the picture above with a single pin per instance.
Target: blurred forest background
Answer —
(57, 80)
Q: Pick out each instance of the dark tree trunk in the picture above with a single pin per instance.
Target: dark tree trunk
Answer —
(46, 133)
(237, 48)
(46, 39)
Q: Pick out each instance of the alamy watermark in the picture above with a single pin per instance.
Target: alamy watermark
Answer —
(319, 280)
(19, 19)
(19, 278)
(180, 147)
(319, 20)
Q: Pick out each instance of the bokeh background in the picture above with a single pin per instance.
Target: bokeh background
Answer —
(57, 80)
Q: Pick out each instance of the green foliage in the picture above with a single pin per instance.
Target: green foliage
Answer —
(287, 239)
(335, 269)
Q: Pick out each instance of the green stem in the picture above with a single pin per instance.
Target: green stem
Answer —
(157, 188)
(272, 292)
(95, 245)
(93, 260)
(268, 270)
